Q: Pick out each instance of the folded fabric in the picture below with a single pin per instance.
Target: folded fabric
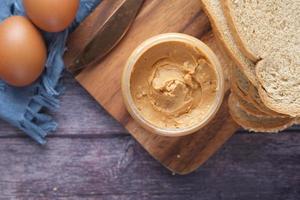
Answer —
(26, 108)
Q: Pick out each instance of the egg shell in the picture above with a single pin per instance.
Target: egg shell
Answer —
(22, 51)
(51, 15)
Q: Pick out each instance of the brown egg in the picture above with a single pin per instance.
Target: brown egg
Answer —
(51, 15)
(22, 51)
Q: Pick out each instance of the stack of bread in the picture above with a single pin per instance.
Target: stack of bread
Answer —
(263, 38)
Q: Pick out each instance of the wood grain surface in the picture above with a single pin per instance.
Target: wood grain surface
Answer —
(88, 159)
(103, 80)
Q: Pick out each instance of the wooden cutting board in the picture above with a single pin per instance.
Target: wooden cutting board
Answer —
(182, 155)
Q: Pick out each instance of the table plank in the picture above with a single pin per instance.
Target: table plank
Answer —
(248, 167)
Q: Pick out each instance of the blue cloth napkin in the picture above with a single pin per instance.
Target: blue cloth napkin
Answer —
(26, 108)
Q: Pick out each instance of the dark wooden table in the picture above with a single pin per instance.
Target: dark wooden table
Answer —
(92, 157)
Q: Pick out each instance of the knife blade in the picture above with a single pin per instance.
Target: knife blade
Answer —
(108, 35)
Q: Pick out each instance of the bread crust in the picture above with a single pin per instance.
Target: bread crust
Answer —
(250, 73)
(256, 124)
(227, 8)
(273, 106)
(249, 108)
(253, 93)
(250, 92)
(238, 83)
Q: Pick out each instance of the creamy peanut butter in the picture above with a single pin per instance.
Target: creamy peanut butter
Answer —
(173, 85)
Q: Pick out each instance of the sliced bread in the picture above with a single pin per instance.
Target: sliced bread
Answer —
(249, 108)
(269, 32)
(214, 11)
(263, 26)
(253, 94)
(254, 123)
(221, 29)
(279, 79)
(240, 84)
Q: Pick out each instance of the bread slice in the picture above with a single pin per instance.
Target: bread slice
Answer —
(240, 84)
(221, 29)
(256, 124)
(269, 32)
(279, 79)
(253, 94)
(214, 11)
(249, 108)
(263, 26)
(240, 88)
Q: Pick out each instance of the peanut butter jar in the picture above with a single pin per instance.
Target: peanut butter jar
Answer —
(173, 84)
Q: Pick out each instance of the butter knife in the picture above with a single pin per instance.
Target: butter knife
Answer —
(106, 36)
